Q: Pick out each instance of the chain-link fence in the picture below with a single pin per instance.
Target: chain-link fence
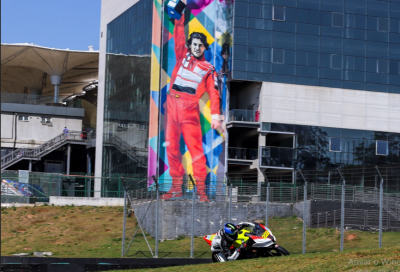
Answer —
(304, 216)
(35, 187)
(329, 217)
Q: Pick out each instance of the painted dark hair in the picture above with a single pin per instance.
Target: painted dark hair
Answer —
(197, 35)
(225, 49)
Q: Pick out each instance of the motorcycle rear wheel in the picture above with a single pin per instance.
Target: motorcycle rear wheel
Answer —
(280, 251)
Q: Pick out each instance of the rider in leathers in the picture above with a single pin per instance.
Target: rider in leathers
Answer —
(223, 241)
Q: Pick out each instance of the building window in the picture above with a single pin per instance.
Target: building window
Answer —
(383, 24)
(278, 13)
(23, 118)
(382, 66)
(337, 19)
(278, 55)
(143, 127)
(123, 125)
(382, 148)
(336, 61)
(46, 120)
(335, 144)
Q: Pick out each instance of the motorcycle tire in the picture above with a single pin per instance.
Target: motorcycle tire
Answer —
(281, 251)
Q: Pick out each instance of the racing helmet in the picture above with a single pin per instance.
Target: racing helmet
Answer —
(230, 231)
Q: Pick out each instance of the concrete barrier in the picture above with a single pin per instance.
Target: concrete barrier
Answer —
(85, 201)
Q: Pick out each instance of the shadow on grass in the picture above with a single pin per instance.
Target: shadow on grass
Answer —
(169, 254)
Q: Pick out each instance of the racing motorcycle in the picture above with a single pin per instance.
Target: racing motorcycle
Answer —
(254, 243)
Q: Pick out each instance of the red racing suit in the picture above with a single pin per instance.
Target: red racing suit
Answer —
(190, 79)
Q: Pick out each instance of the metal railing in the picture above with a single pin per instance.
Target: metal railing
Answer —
(277, 157)
(43, 149)
(354, 217)
(242, 115)
(242, 153)
(30, 99)
(131, 151)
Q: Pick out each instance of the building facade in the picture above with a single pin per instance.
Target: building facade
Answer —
(124, 81)
(308, 85)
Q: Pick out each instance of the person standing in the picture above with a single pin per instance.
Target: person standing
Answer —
(65, 131)
(192, 76)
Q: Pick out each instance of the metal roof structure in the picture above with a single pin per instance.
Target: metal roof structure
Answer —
(31, 67)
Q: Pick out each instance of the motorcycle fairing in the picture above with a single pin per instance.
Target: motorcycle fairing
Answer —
(209, 238)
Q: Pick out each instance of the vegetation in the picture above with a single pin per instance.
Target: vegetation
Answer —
(386, 259)
(76, 231)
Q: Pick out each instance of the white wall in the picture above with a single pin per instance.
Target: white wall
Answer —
(110, 9)
(33, 133)
(330, 107)
(85, 201)
(7, 126)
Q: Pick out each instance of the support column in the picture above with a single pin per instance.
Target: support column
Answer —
(30, 165)
(56, 81)
(68, 158)
(88, 164)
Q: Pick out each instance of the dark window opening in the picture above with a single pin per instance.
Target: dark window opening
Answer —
(383, 24)
(382, 66)
(382, 148)
(278, 55)
(335, 144)
(279, 13)
(337, 19)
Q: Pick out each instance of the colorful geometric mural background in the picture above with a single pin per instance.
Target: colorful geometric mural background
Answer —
(214, 19)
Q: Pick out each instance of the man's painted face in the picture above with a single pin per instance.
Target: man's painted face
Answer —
(197, 48)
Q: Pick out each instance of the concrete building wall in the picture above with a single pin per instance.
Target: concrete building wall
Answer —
(330, 107)
(7, 127)
(33, 132)
(85, 201)
(110, 9)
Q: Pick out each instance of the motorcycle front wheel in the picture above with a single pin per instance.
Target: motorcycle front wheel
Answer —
(279, 251)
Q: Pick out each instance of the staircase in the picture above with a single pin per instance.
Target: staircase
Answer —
(131, 151)
(38, 152)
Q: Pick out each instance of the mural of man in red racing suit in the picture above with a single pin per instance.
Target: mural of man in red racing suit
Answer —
(191, 78)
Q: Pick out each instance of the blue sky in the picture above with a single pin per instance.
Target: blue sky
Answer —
(73, 24)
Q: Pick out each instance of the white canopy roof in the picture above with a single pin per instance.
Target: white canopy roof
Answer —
(30, 66)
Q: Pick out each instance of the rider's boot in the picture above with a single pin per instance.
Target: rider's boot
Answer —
(175, 191)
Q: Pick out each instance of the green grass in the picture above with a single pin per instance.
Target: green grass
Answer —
(95, 232)
(385, 259)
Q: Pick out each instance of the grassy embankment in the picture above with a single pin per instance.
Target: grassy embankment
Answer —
(372, 260)
(96, 232)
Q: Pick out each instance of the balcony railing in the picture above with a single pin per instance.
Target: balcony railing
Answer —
(242, 116)
(30, 99)
(277, 157)
(242, 153)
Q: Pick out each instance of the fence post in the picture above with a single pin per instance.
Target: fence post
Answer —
(192, 232)
(157, 209)
(119, 185)
(230, 203)
(342, 212)
(266, 205)
(49, 193)
(380, 206)
(304, 213)
(326, 219)
(334, 219)
(124, 227)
